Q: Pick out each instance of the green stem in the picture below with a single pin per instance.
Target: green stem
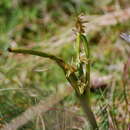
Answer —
(87, 109)
(72, 78)
(59, 61)
(84, 99)
(79, 63)
(78, 47)
(87, 52)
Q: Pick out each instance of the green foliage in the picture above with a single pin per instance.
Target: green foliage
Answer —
(23, 80)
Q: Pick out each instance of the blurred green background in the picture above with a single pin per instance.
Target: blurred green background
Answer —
(25, 80)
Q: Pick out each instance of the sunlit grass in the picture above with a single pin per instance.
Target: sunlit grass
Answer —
(27, 86)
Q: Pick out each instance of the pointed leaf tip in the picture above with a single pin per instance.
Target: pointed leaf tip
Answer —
(9, 49)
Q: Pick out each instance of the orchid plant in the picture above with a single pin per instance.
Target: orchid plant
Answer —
(79, 75)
